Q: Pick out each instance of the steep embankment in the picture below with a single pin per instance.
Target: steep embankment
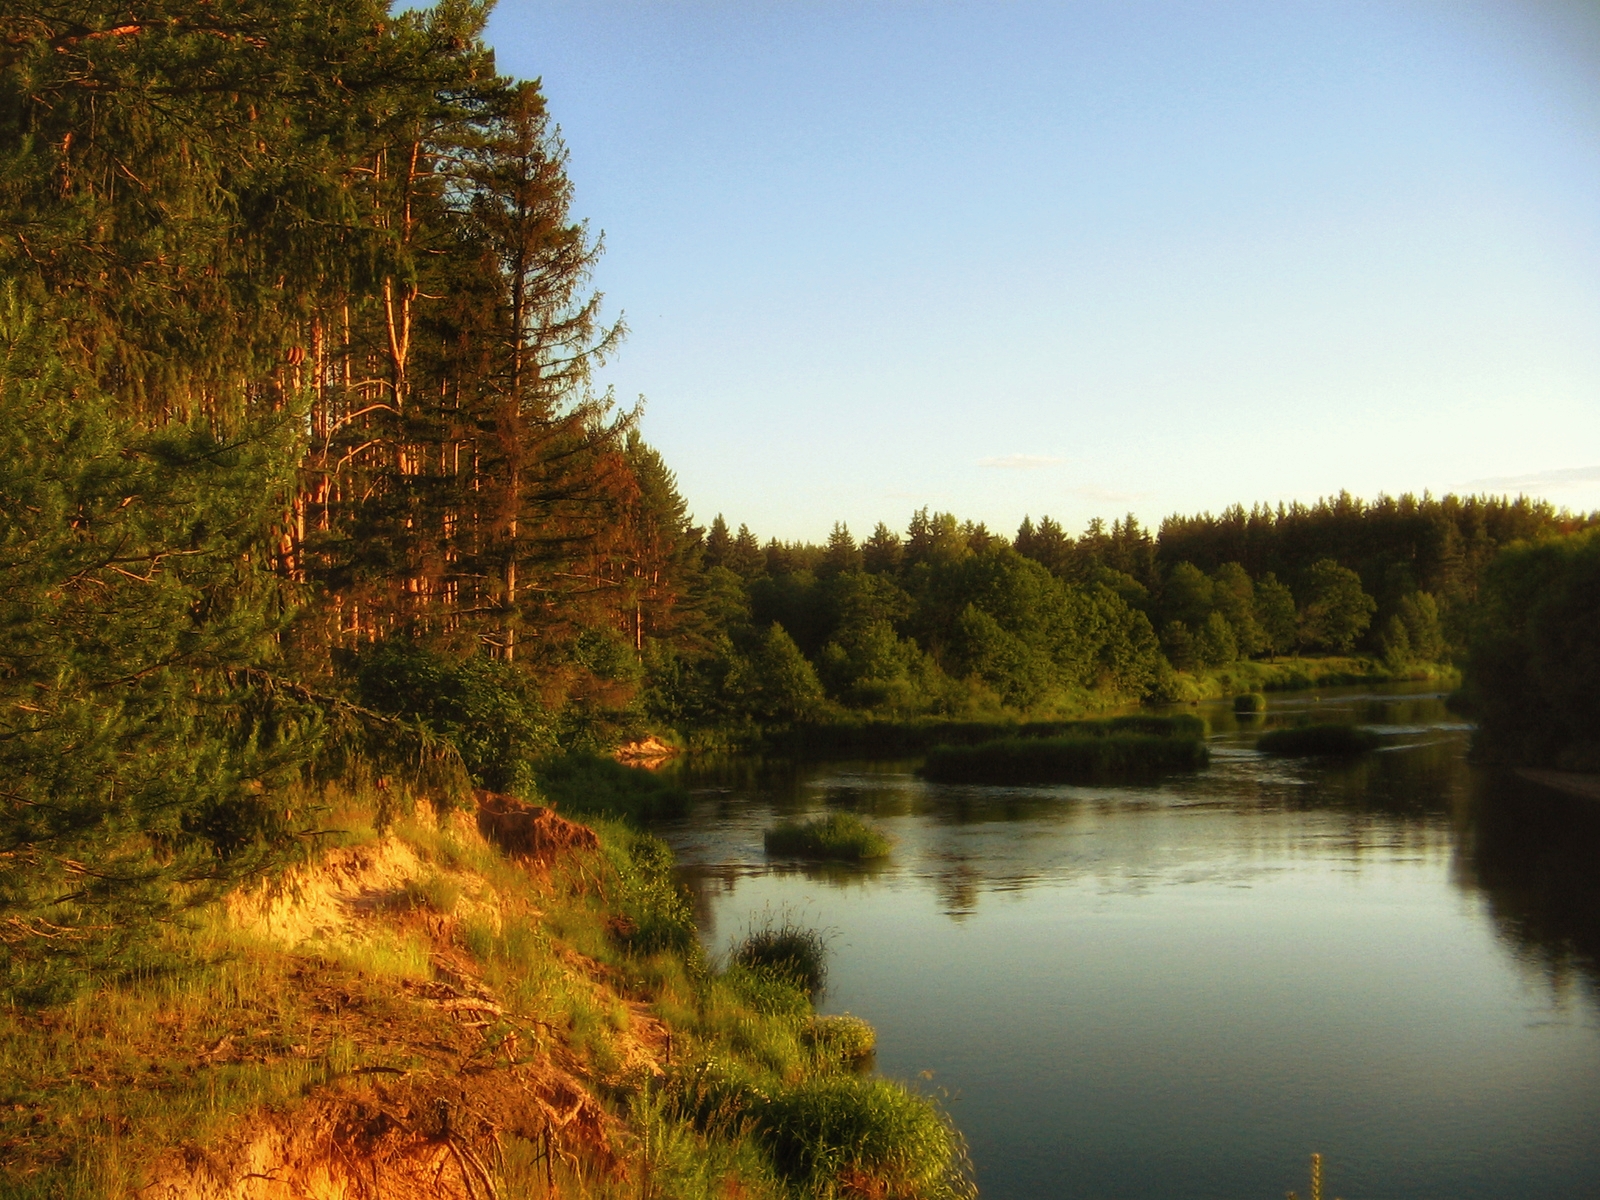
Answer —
(502, 1003)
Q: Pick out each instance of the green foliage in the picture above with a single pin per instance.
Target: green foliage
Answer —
(488, 709)
(1315, 740)
(582, 783)
(843, 837)
(146, 741)
(1276, 615)
(1215, 644)
(1065, 760)
(867, 1136)
(782, 685)
(1187, 595)
(1336, 610)
(1534, 655)
(1249, 702)
(787, 951)
(655, 910)
(1235, 598)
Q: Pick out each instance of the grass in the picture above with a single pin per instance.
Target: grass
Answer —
(1313, 740)
(1079, 759)
(588, 785)
(849, 1039)
(1246, 703)
(874, 1136)
(588, 980)
(787, 951)
(837, 837)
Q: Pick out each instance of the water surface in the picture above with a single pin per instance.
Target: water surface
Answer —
(1181, 990)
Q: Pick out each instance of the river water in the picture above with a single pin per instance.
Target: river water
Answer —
(1184, 989)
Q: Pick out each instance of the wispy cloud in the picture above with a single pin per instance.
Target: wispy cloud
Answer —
(1021, 462)
(1539, 480)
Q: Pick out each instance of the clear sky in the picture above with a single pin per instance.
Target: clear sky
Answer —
(1088, 258)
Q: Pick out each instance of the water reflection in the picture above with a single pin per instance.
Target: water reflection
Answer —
(1183, 988)
(1535, 854)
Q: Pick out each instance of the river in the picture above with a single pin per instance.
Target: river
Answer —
(1183, 990)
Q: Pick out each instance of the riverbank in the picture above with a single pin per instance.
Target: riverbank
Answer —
(1301, 674)
(496, 1003)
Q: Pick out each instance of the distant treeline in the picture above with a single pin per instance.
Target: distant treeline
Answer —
(952, 619)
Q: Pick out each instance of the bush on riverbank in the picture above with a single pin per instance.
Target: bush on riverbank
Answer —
(1065, 760)
(1249, 703)
(837, 837)
(1312, 740)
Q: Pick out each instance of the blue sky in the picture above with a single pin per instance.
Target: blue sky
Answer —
(1088, 258)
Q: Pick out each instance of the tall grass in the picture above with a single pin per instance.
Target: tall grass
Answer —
(874, 1137)
(788, 951)
(1318, 740)
(837, 837)
(586, 784)
(1065, 760)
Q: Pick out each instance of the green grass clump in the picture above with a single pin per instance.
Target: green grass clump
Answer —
(591, 785)
(840, 837)
(1249, 702)
(786, 951)
(1065, 760)
(1307, 740)
(863, 1136)
(845, 1039)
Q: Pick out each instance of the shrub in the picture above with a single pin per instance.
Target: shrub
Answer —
(786, 951)
(1065, 760)
(1249, 702)
(654, 910)
(1307, 740)
(840, 837)
(488, 710)
(866, 1136)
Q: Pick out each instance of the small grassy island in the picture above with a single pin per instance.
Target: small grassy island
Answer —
(1307, 741)
(838, 837)
(1090, 751)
